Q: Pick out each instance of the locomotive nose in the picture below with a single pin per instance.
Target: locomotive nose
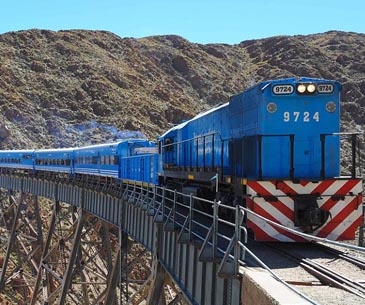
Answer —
(308, 215)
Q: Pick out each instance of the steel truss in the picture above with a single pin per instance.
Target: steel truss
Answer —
(54, 253)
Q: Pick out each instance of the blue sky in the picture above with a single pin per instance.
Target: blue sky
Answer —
(202, 21)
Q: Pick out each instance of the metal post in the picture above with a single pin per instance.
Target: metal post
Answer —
(120, 250)
(174, 210)
(204, 154)
(291, 157)
(160, 211)
(222, 160)
(362, 227)
(154, 199)
(10, 242)
(197, 154)
(215, 227)
(183, 144)
(191, 155)
(323, 138)
(191, 216)
(125, 193)
(259, 155)
(123, 248)
(353, 145)
(213, 148)
(237, 248)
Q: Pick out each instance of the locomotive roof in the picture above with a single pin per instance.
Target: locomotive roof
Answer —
(113, 143)
(47, 150)
(183, 124)
(262, 85)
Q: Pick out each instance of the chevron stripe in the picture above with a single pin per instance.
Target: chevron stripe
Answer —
(345, 214)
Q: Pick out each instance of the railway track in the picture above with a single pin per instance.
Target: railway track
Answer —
(324, 274)
(360, 262)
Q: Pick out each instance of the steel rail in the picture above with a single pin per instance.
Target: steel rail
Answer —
(324, 274)
(345, 256)
(278, 278)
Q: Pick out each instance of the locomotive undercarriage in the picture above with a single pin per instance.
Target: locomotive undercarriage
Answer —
(220, 191)
(308, 215)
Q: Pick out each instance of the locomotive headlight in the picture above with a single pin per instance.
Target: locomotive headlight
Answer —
(271, 107)
(331, 106)
(311, 88)
(301, 88)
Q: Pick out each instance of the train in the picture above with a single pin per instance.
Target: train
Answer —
(273, 148)
(129, 159)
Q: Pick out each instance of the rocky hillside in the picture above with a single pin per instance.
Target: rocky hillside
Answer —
(70, 88)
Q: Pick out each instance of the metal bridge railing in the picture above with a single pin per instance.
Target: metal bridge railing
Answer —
(218, 228)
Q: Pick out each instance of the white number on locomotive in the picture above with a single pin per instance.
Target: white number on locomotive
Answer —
(283, 89)
(325, 88)
(297, 116)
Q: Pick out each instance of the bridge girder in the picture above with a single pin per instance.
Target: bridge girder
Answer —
(129, 211)
(66, 255)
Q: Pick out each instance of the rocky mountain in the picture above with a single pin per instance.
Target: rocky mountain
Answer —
(69, 88)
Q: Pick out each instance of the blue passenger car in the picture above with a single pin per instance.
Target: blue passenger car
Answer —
(22, 159)
(105, 159)
(54, 160)
(97, 160)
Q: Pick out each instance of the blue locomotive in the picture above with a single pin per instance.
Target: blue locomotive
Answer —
(274, 148)
(271, 130)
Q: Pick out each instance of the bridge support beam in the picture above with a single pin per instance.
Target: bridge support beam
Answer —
(86, 277)
(77, 263)
(72, 259)
(41, 270)
(110, 295)
(11, 240)
(21, 216)
(156, 295)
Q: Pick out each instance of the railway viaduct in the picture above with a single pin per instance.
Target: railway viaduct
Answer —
(92, 242)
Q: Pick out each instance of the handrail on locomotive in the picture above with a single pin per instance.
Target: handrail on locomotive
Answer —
(355, 152)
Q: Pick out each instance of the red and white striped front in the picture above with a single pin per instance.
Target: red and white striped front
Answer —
(341, 198)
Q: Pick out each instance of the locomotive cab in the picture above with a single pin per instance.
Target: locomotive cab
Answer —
(286, 149)
(280, 126)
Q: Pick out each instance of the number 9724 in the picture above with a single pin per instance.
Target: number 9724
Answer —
(297, 116)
